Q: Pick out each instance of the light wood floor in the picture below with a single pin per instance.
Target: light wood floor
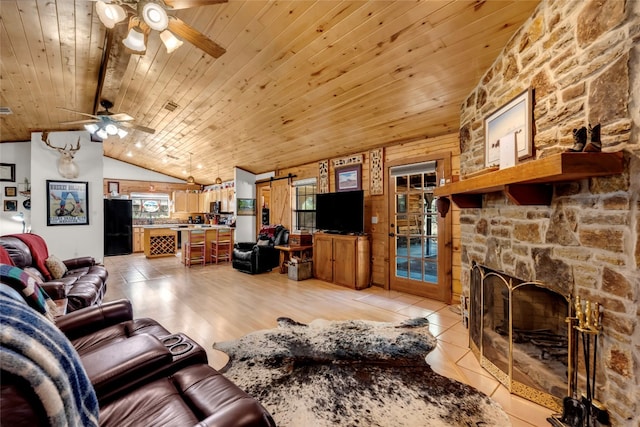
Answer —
(217, 303)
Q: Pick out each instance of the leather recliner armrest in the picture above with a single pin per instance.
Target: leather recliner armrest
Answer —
(90, 319)
(80, 262)
(244, 246)
(56, 290)
(120, 365)
(244, 413)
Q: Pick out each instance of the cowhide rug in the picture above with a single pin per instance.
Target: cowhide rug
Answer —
(353, 373)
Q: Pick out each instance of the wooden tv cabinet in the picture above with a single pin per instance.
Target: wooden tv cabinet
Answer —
(342, 259)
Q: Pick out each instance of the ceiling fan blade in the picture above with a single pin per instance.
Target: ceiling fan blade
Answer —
(79, 122)
(138, 127)
(195, 37)
(78, 112)
(121, 117)
(185, 4)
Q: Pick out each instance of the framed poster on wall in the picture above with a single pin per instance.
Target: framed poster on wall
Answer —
(67, 203)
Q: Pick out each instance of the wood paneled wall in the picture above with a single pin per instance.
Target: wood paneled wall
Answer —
(377, 206)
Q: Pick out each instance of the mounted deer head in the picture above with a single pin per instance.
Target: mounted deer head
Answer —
(66, 166)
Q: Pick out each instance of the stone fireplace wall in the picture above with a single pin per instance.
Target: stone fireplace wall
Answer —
(582, 58)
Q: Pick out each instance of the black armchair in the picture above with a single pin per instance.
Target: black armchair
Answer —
(260, 256)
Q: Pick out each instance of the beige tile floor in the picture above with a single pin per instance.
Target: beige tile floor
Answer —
(217, 303)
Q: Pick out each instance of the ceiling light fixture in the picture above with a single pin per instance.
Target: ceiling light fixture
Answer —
(103, 131)
(155, 16)
(92, 128)
(170, 41)
(102, 134)
(110, 14)
(190, 178)
(111, 129)
(135, 39)
(218, 179)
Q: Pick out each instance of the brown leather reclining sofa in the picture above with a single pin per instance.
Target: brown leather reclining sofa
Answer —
(83, 284)
(141, 375)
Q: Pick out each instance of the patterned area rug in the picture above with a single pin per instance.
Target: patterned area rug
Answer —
(353, 373)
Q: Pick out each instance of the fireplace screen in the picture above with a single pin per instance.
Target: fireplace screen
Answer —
(519, 332)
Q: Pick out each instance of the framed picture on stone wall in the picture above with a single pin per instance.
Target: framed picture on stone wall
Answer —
(513, 118)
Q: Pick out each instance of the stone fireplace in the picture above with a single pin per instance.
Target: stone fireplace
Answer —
(520, 334)
(582, 61)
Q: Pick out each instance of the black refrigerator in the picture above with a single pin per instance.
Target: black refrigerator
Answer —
(118, 231)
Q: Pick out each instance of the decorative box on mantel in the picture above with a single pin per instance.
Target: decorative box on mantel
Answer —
(300, 238)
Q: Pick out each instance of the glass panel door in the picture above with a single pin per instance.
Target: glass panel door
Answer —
(415, 230)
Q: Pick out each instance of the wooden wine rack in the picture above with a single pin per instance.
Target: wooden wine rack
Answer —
(160, 242)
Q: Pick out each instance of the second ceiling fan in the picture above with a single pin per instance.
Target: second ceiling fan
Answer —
(147, 15)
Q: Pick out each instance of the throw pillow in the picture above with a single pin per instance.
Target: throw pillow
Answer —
(56, 267)
(262, 242)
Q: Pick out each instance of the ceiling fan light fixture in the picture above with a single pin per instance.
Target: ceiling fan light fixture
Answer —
(110, 14)
(155, 16)
(122, 133)
(111, 129)
(102, 134)
(218, 180)
(135, 40)
(170, 41)
(92, 128)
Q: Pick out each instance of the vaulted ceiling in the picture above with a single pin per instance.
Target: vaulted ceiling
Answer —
(300, 80)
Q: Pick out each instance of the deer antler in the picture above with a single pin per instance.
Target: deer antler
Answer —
(45, 138)
(71, 150)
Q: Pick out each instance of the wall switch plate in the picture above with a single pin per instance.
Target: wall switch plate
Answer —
(374, 220)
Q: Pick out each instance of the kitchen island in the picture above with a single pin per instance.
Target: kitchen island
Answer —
(211, 233)
(160, 240)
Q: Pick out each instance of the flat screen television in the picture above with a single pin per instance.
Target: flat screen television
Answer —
(341, 212)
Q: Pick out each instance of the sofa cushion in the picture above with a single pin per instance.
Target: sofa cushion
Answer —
(56, 267)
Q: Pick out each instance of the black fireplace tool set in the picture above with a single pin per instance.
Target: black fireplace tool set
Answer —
(585, 411)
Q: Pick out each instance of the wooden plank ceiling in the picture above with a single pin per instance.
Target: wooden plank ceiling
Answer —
(301, 81)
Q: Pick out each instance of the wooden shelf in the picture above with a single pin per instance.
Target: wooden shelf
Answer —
(527, 183)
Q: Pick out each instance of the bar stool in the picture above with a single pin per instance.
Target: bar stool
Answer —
(194, 247)
(221, 246)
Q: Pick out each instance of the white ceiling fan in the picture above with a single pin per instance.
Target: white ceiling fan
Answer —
(104, 123)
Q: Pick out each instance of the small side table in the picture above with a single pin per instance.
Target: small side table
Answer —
(287, 251)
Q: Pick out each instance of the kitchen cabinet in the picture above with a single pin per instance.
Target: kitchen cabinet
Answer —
(343, 260)
(186, 202)
(204, 200)
(138, 239)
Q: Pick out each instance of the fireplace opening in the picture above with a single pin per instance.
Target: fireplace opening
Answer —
(519, 332)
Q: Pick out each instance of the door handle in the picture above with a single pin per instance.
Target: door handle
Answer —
(392, 235)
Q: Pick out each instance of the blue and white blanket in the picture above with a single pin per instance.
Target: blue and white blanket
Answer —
(35, 350)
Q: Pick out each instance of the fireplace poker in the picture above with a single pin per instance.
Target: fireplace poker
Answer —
(589, 323)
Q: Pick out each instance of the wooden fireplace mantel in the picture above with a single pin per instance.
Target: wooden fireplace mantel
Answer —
(529, 183)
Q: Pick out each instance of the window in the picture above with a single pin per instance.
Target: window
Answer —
(150, 205)
(304, 204)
